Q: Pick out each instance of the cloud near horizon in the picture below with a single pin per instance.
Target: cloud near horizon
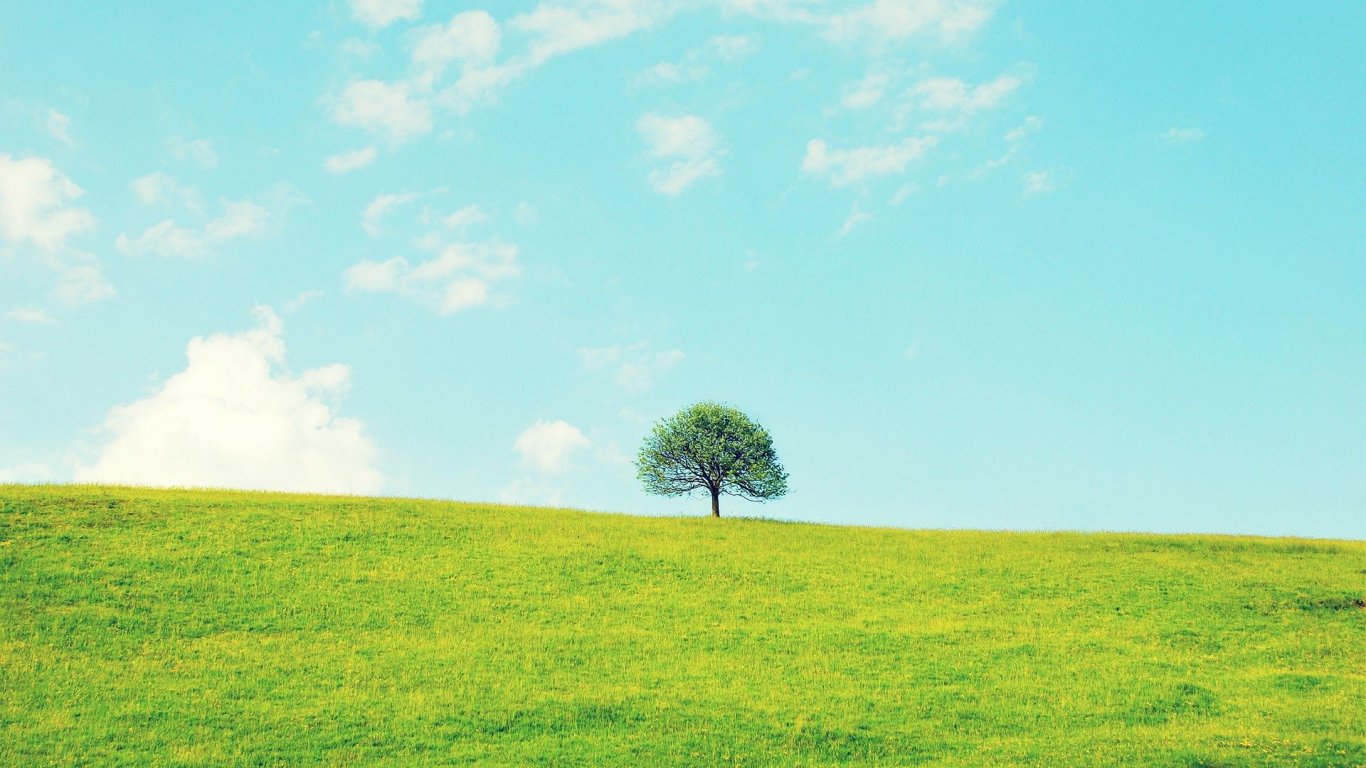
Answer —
(549, 445)
(235, 418)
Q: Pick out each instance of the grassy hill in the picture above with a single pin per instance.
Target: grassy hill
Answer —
(217, 628)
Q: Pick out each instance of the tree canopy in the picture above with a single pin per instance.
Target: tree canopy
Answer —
(712, 447)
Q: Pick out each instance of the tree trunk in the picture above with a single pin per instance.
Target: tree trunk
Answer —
(716, 503)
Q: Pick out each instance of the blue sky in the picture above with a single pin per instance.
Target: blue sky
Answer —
(1027, 265)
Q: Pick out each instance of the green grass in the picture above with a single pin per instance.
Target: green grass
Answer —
(146, 627)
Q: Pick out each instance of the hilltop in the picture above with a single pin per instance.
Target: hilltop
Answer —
(228, 628)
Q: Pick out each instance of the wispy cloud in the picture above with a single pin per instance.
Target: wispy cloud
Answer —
(304, 298)
(197, 151)
(867, 92)
(380, 207)
(634, 367)
(236, 220)
(239, 219)
(352, 160)
(951, 94)
(857, 217)
(884, 22)
(382, 13)
(849, 166)
(460, 276)
(462, 63)
(28, 316)
(947, 104)
(687, 143)
(1044, 181)
(1178, 135)
(466, 217)
(161, 188)
(697, 63)
(1015, 138)
(59, 126)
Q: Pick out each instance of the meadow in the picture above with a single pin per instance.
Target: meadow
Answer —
(179, 628)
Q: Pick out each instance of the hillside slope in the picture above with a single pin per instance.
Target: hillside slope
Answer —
(221, 628)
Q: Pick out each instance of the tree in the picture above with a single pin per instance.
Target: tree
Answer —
(714, 447)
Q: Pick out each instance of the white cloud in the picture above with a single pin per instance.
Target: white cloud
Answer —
(378, 208)
(35, 204)
(883, 22)
(480, 85)
(382, 13)
(37, 215)
(946, 94)
(550, 30)
(847, 166)
(235, 418)
(458, 277)
(28, 316)
(472, 42)
(59, 125)
(198, 151)
(239, 219)
(388, 109)
(634, 367)
(471, 38)
(559, 29)
(688, 141)
(1177, 135)
(353, 160)
(549, 445)
(947, 104)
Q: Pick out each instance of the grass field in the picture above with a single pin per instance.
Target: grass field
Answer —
(218, 628)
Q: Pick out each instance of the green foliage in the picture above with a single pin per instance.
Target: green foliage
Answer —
(712, 447)
(189, 628)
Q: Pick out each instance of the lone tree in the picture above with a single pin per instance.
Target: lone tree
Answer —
(715, 447)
